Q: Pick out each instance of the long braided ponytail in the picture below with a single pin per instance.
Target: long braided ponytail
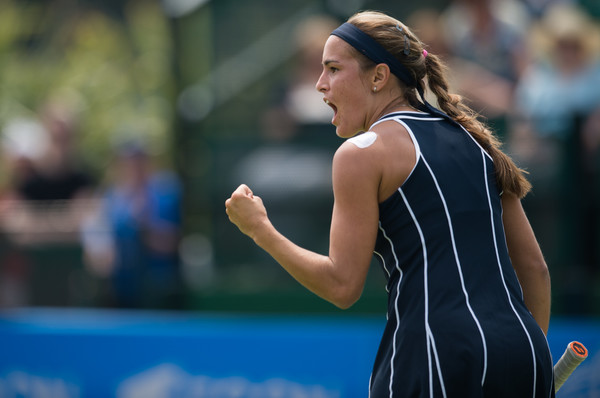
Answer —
(430, 68)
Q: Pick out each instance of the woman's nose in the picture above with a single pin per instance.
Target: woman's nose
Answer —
(320, 86)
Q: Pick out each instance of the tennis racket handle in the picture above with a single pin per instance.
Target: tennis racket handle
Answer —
(573, 356)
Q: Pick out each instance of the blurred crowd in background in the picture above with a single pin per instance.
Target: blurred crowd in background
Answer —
(125, 125)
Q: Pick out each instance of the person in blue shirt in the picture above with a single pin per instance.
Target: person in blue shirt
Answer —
(134, 238)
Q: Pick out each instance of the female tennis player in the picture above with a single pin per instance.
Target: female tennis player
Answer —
(429, 192)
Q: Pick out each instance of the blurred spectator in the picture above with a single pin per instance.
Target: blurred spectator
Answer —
(60, 173)
(48, 183)
(134, 238)
(538, 8)
(297, 103)
(486, 40)
(21, 139)
(46, 195)
(556, 134)
(563, 80)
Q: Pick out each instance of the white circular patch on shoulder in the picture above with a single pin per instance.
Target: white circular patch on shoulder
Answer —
(364, 140)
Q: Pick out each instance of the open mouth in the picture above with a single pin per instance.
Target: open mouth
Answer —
(331, 105)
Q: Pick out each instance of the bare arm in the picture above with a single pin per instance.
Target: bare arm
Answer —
(340, 276)
(527, 260)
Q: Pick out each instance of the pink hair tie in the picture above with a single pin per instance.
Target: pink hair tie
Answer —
(425, 53)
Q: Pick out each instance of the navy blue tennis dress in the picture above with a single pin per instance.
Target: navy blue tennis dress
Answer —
(457, 324)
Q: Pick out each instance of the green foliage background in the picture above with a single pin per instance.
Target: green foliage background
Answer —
(115, 74)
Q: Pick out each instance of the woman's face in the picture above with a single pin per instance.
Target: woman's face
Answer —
(345, 88)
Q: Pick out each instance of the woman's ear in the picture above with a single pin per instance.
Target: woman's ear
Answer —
(381, 75)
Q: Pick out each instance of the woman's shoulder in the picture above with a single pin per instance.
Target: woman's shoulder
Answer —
(361, 148)
(374, 148)
(359, 154)
(385, 154)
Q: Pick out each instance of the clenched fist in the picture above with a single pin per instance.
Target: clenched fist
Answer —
(246, 211)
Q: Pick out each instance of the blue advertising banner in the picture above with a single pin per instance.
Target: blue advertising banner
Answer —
(67, 353)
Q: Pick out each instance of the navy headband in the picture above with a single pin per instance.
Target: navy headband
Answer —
(367, 46)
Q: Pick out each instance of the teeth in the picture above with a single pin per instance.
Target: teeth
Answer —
(327, 102)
